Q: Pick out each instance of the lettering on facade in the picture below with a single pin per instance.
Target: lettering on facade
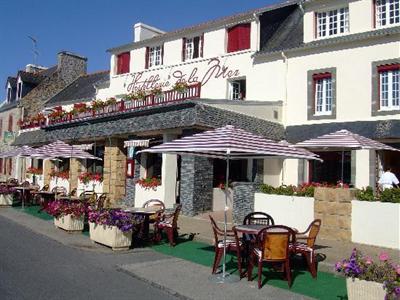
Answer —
(215, 70)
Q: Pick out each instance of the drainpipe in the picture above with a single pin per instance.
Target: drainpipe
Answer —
(284, 106)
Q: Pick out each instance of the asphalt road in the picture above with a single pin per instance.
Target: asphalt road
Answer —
(35, 267)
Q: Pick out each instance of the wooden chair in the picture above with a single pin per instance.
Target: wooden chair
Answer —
(101, 201)
(260, 218)
(25, 183)
(233, 244)
(304, 245)
(156, 203)
(72, 193)
(169, 224)
(272, 245)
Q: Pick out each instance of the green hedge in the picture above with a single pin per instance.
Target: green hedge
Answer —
(305, 190)
(388, 195)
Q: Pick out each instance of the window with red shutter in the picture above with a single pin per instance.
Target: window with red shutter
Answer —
(123, 62)
(239, 37)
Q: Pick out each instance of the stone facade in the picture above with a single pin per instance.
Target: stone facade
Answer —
(70, 66)
(196, 184)
(243, 199)
(75, 169)
(114, 170)
(333, 207)
(48, 165)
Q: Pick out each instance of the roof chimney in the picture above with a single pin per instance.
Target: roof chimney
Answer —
(71, 65)
(144, 32)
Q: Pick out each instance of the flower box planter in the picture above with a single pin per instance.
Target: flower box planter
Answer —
(69, 223)
(6, 199)
(365, 290)
(110, 236)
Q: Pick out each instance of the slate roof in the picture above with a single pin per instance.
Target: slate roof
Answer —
(28, 77)
(296, 46)
(186, 114)
(82, 89)
(7, 106)
(221, 22)
(377, 130)
(12, 81)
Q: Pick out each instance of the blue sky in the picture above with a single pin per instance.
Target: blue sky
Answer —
(91, 27)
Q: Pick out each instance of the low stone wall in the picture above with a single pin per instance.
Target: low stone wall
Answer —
(243, 199)
(333, 207)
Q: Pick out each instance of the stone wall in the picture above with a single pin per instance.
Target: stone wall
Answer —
(48, 165)
(131, 184)
(333, 207)
(114, 170)
(243, 199)
(196, 184)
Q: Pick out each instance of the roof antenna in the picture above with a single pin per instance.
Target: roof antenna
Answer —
(35, 50)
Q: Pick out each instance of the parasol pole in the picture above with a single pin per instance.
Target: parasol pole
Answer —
(225, 209)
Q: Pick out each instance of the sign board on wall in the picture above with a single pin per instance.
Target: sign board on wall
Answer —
(215, 69)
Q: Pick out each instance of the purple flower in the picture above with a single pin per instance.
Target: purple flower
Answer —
(397, 290)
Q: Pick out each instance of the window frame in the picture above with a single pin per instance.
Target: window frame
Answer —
(378, 68)
(322, 93)
(231, 82)
(186, 41)
(329, 25)
(312, 77)
(378, 19)
(152, 56)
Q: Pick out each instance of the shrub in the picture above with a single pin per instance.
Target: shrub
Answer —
(387, 195)
(365, 194)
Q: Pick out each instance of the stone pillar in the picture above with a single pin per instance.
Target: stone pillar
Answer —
(196, 186)
(114, 170)
(243, 199)
(168, 174)
(131, 184)
(333, 207)
(48, 165)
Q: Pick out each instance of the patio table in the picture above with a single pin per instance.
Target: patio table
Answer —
(45, 198)
(146, 212)
(23, 189)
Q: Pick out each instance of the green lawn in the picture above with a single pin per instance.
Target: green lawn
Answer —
(326, 286)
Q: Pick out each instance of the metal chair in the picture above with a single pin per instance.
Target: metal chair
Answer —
(154, 203)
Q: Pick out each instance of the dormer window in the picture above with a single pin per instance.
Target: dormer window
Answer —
(19, 90)
(239, 38)
(192, 48)
(9, 93)
(333, 22)
(387, 12)
(154, 56)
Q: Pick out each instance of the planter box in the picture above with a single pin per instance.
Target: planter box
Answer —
(142, 194)
(293, 211)
(6, 199)
(69, 223)
(384, 216)
(110, 236)
(365, 290)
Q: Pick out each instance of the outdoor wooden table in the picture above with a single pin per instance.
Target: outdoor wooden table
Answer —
(71, 198)
(146, 212)
(23, 189)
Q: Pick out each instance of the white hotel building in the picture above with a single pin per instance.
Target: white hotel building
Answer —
(291, 71)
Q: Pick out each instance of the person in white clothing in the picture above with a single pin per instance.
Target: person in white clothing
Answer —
(388, 179)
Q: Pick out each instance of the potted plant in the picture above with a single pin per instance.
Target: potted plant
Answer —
(6, 195)
(34, 172)
(60, 174)
(367, 279)
(68, 214)
(181, 87)
(98, 105)
(112, 227)
(149, 183)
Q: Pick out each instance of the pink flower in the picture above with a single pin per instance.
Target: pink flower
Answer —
(368, 260)
(397, 269)
(383, 256)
